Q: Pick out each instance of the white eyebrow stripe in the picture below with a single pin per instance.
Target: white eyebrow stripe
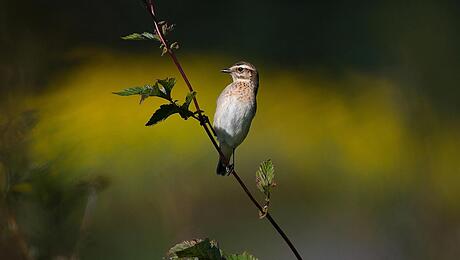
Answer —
(243, 66)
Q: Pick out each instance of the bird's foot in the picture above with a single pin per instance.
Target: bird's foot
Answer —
(229, 168)
(204, 120)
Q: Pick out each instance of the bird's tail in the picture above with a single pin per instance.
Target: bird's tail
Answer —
(221, 168)
(223, 161)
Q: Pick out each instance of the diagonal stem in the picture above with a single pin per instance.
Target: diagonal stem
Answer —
(209, 129)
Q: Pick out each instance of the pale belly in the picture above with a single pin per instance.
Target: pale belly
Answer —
(232, 121)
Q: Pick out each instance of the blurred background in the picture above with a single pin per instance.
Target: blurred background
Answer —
(358, 109)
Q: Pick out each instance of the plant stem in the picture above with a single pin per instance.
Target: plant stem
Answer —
(208, 127)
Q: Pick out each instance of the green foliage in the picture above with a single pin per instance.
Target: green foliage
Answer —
(188, 99)
(166, 86)
(162, 113)
(243, 256)
(144, 92)
(203, 250)
(165, 29)
(162, 89)
(265, 176)
(194, 249)
(141, 36)
(41, 200)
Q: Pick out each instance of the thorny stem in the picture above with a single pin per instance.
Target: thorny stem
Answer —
(208, 127)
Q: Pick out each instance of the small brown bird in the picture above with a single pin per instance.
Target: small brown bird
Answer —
(236, 107)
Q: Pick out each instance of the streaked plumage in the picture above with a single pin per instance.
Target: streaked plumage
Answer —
(236, 107)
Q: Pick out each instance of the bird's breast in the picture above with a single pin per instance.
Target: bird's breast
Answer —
(233, 118)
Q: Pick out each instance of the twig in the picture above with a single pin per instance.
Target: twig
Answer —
(208, 127)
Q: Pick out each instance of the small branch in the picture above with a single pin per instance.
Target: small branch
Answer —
(268, 216)
(208, 127)
(265, 208)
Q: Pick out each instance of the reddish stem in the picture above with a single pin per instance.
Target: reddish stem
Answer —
(159, 32)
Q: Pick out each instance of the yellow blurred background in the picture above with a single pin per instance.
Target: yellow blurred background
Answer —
(365, 141)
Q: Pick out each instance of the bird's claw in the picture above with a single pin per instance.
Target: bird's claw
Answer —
(204, 119)
(229, 169)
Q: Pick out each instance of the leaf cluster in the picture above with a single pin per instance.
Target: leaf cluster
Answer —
(265, 181)
(162, 88)
(165, 29)
(265, 177)
(203, 250)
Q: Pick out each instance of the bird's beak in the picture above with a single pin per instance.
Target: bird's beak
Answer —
(226, 70)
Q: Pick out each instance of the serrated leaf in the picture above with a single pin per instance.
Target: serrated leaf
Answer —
(166, 85)
(141, 36)
(184, 112)
(131, 91)
(162, 113)
(201, 249)
(133, 37)
(161, 88)
(265, 176)
(243, 256)
(182, 246)
(188, 99)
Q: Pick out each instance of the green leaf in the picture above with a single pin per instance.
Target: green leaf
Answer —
(141, 36)
(167, 86)
(132, 91)
(162, 113)
(182, 246)
(243, 256)
(144, 92)
(201, 249)
(188, 99)
(184, 112)
(161, 88)
(265, 176)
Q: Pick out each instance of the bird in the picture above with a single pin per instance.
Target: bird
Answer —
(236, 107)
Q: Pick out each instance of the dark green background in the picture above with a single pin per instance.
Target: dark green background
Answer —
(412, 41)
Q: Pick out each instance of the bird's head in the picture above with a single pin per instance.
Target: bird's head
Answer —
(242, 71)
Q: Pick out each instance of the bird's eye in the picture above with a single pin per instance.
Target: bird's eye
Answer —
(240, 69)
